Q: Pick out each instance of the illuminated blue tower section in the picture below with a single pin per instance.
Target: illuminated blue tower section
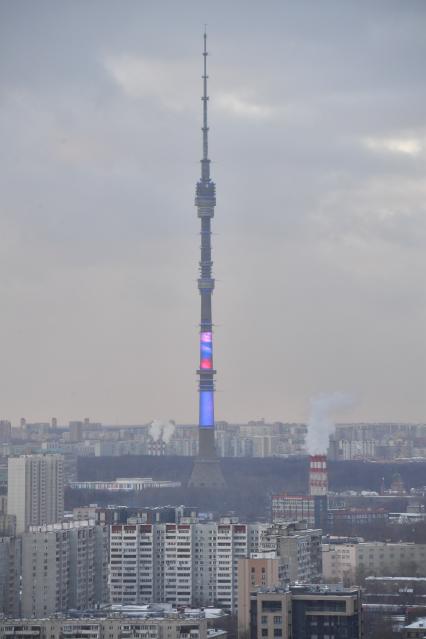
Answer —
(207, 471)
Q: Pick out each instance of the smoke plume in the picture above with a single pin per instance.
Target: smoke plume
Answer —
(321, 424)
(160, 430)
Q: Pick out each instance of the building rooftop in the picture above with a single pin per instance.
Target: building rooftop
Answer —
(311, 589)
(323, 589)
(159, 611)
(371, 578)
(420, 623)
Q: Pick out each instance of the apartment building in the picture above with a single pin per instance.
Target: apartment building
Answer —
(198, 562)
(35, 490)
(184, 625)
(299, 549)
(311, 612)
(10, 565)
(63, 566)
(350, 561)
(261, 570)
(180, 563)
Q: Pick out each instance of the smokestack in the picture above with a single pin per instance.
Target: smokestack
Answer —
(318, 476)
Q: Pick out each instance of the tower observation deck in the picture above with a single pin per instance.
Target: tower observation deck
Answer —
(207, 471)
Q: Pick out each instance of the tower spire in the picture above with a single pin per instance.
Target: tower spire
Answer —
(205, 162)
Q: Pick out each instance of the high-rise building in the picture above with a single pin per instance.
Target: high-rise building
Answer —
(299, 549)
(63, 566)
(207, 471)
(10, 571)
(180, 564)
(198, 563)
(5, 431)
(35, 490)
(261, 570)
(76, 431)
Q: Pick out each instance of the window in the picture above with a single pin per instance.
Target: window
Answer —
(278, 632)
(278, 619)
(271, 606)
(264, 632)
(264, 619)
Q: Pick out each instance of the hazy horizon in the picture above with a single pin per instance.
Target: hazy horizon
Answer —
(318, 148)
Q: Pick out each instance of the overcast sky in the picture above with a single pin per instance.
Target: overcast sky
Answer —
(318, 147)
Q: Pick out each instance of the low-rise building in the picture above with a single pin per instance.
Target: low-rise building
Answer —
(349, 561)
(416, 629)
(155, 623)
(124, 483)
(310, 508)
(309, 611)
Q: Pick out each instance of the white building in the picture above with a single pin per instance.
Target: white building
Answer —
(63, 566)
(180, 563)
(35, 490)
(125, 483)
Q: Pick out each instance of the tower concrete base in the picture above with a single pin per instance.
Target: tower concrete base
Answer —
(207, 473)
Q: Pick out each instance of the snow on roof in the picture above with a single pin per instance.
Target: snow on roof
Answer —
(420, 623)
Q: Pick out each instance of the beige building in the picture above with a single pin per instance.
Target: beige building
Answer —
(63, 566)
(260, 571)
(35, 490)
(308, 611)
(349, 562)
(339, 563)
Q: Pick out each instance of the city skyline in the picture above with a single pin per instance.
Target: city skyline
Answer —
(319, 148)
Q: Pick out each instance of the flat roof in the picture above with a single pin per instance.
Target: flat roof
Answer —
(420, 623)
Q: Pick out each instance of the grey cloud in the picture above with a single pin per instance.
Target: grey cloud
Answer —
(319, 252)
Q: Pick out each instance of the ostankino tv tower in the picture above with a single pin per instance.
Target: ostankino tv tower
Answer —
(207, 471)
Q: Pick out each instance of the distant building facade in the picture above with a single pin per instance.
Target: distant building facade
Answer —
(311, 508)
(35, 493)
(64, 566)
(180, 564)
(148, 625)
(10, 572)
(350, 561)
(379, 441)
(308, 612)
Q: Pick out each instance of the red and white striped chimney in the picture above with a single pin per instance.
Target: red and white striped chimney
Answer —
(318, 477)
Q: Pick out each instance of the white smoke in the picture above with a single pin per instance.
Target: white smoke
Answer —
(162, 430)
(321, 423)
